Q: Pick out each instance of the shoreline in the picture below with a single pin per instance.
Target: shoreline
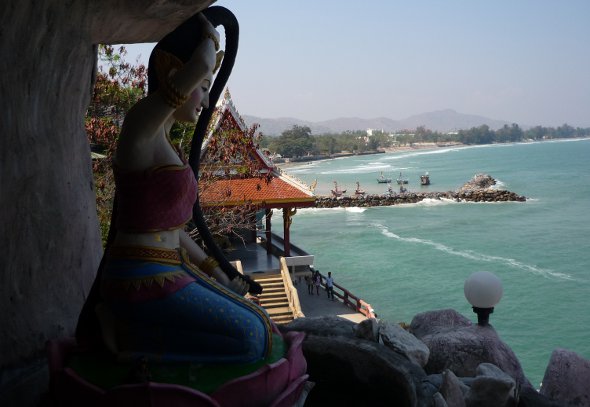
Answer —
(415, 147)
(420, 146)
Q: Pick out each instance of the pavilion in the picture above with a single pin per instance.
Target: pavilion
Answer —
(270, 188)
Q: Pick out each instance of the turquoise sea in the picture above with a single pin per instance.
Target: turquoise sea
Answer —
(408, 259)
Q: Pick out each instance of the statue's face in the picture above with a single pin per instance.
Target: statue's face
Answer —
(199, 99)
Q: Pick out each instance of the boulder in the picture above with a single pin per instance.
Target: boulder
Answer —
(453, 390)
(430, 322)
(398, 339)
(567, 379)
(491, 388)
(367, 329)
(478, 182)
(352, 371)
(432, 383)
(328, 325)
(439, 401)
(460, 346)
(530, 397)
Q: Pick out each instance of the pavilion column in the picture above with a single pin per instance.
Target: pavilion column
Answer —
(268, 232)
(287, 219)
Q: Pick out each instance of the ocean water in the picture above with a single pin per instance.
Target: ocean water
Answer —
(408, 259)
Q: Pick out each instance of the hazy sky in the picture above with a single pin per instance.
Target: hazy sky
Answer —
(524, 61)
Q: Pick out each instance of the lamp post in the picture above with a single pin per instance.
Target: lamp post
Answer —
(483, 290)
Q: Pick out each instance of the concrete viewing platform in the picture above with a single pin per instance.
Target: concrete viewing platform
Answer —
(256, 261)
(314, 305)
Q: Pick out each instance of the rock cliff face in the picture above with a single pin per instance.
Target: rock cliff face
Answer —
(50, 243)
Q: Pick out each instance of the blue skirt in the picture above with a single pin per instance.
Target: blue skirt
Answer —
(166, 309)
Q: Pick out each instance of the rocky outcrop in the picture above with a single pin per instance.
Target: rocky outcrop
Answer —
(348, 370)
(394, 337)
(478, 182)
(399, 340)
(460, 346)
(567, 379)
(491, 387)
(327, 325)
(453, 390)
(467, 366)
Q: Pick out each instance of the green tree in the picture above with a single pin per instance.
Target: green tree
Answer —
(118, 86)
(477, 135)
(326, 144)
(565, 131)
(509, 134)
(380, 139)
(295, 142)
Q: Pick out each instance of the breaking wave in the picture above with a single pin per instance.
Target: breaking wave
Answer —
(471, 255)
(318, 211)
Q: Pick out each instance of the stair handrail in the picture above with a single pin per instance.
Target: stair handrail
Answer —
(290, 290)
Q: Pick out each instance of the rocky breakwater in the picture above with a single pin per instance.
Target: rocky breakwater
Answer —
(440, 359)
(481, 188)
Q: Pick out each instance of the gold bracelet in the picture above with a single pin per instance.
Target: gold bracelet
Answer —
(214, 39)
(208, 265)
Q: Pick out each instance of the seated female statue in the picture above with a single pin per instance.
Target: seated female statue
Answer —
(162, 298)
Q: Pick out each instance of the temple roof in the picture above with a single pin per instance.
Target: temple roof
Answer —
(276, 193)
(275, 189)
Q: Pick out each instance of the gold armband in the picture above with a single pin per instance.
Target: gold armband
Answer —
(208, 265)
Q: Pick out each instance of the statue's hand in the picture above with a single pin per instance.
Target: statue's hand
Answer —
(239, 286)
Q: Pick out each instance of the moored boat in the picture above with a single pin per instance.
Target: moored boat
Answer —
(382, 179)
(401, 180)
(336, 192)
(358, 191)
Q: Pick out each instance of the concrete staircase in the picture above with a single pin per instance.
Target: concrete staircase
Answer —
(274, 299)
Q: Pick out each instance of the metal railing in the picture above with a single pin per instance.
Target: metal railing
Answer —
(351, 300)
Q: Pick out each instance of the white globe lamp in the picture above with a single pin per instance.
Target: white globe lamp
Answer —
(483, 290)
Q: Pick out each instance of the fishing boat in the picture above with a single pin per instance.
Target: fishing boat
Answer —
(358, 191)
(382, 179)
(401, 180)
(425, 179)
(336, 192)
(390, 190)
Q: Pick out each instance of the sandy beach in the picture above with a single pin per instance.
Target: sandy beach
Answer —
(413, 147)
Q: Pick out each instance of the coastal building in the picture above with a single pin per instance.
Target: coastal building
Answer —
(247, 177)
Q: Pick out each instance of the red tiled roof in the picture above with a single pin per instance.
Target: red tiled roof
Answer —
(254, 190)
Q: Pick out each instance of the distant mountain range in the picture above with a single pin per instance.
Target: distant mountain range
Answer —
(440, 120)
